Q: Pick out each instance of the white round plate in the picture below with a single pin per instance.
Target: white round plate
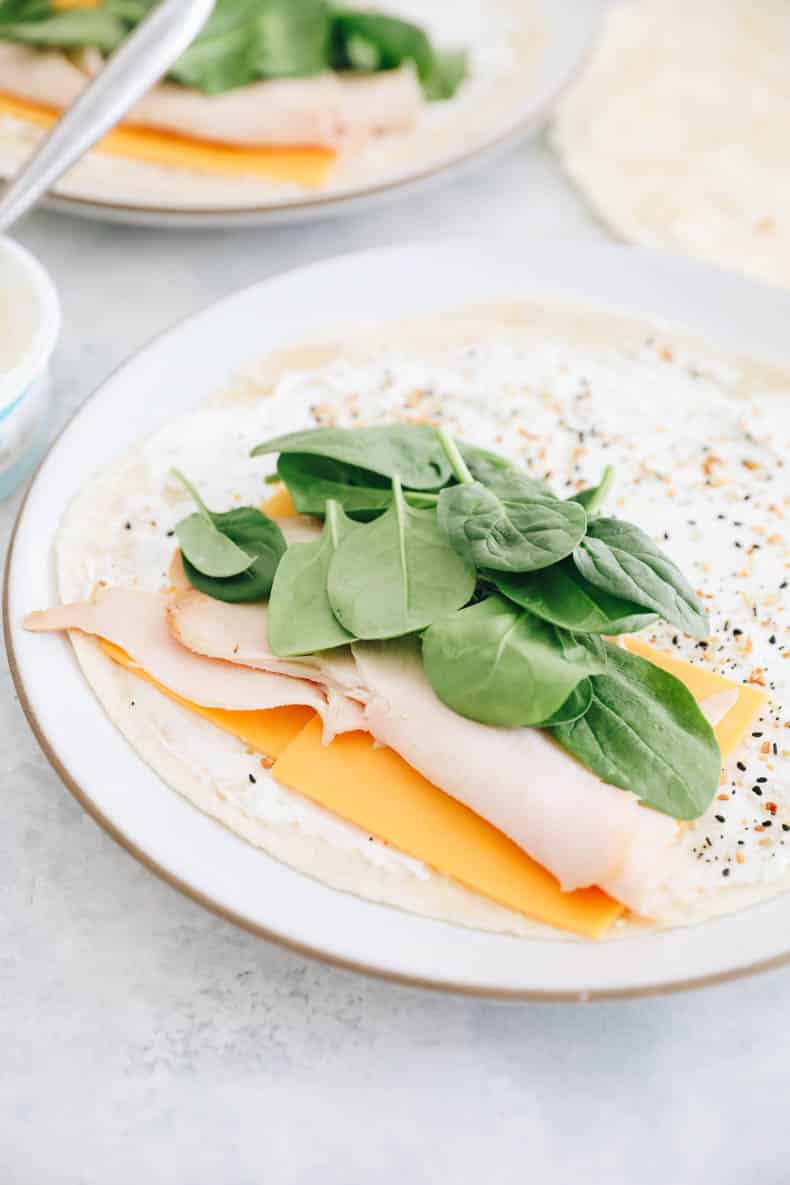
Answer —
(570, 29)
(176, 372)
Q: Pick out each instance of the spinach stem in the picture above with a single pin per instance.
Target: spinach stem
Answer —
(420, 497)
(330, 518)
(190, 489)
(453, 454)
(604, 485)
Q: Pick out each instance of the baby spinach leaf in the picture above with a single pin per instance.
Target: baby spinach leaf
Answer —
(500, 665)
(623, 561)
(510, 524)
(410, 451)
(593, 498)
(247, 40)
(204, 544)
(645, 732)
(208, 550)
(243, 532)
(256, 534)
(561, 595)
(376, 41)
(486, 466)
(314, 481)
(300, 617)
(397, 574)
(449, 70)
(73, 29)
(574, 707)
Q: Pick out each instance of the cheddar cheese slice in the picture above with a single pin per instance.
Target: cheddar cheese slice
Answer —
(307, 166)
(377, 790)
(280, 504)
(268, 731)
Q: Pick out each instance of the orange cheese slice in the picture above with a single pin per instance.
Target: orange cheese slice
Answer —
(307, 166)
(382, 794)
(280, 504)
(269, 731)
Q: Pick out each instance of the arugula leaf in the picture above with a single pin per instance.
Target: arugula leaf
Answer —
(511, 524)
(645, 732)
(231, 555)
(623, 561)
(594, 497)
(561, 595)
(410, 451)
(397, 574)
(499, 665)
(300, 616)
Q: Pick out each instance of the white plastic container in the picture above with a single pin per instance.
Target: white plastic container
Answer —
(29, 326)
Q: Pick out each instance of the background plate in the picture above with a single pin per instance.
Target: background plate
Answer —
(179, 370)
(570, 29)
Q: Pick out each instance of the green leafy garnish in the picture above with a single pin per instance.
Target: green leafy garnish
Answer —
(204, 544)
(43, 27)
(313, 481)
(575, 706)
(509, 524)
(375, 41)
(300, 618)
(397, 574)
(622, 560)
(644, 731)
(561, 595)
(410, 452)
(593, 498)
(232, 555)
(499, 665)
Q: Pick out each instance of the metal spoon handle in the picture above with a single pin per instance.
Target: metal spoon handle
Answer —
(144, 57)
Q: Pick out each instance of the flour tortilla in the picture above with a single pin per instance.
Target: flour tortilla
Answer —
(502, 82)
(190, 756)
(677, 132)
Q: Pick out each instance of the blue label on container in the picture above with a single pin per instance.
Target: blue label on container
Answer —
(13, 406)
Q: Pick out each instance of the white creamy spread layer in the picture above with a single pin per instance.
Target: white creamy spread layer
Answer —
(698, 466)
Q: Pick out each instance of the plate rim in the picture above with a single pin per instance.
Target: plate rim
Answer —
(517, 130)
(576, 994)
